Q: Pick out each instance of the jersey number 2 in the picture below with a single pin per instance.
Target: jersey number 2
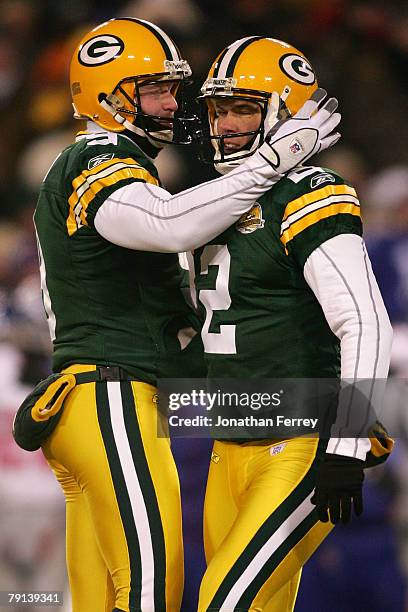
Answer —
(217, 299)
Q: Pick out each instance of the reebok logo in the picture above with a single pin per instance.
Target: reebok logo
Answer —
(99, 159)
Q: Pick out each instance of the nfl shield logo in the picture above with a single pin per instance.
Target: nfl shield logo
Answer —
(277, 449)
(295, 147)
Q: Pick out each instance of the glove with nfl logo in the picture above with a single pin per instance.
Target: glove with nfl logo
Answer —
(339, 487)
(290, 142)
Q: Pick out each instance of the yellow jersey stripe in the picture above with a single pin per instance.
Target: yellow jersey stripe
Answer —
(81, 187)
(303, 212)
(317, 215)
(314, 196)
(77, 182)
(83, 195)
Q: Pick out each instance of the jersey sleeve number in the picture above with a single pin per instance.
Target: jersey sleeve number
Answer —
(219, 298)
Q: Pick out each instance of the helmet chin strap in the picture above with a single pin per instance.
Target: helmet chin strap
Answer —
(164, 135)
(225, 163)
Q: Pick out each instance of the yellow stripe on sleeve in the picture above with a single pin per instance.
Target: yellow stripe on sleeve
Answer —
(128, 161)
(317, 215)
(90, 182)
(315, 196)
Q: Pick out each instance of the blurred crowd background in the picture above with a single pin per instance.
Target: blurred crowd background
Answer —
(360, 54)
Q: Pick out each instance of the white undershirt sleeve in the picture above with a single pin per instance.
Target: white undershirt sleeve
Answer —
(339, 273)
(148, 218)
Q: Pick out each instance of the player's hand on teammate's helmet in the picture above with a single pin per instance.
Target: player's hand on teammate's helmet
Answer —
(339, 488)
(291, 142)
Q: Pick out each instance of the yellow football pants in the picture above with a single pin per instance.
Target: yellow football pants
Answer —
(259, 524)
(124, 539)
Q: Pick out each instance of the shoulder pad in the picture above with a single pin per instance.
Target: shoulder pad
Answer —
(308, 179)
(313, 176)
(105, 148)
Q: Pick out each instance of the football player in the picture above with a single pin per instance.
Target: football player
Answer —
(286, 292)
(107, 235)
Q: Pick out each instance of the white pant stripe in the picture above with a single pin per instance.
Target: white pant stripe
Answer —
(265, 553)
(135, 496)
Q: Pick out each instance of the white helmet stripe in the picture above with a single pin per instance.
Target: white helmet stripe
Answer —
(161, 34)
(223, 67)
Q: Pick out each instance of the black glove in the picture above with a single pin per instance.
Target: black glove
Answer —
(339, 485)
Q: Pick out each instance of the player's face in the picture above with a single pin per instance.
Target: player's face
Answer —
(157, 99)
(234, 116)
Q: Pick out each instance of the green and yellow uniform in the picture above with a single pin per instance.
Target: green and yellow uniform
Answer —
(112, 306)
(105, 304)
(262, 320)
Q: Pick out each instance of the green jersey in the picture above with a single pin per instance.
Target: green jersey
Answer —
(105, 304)
(262, 320)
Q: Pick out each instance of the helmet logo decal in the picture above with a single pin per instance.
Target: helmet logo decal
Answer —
(297, 68)
(100, 50)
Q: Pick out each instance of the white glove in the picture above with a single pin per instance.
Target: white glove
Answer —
(292, 141)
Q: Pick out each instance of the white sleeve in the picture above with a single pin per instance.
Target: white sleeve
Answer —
(148, 218)
(339, 273)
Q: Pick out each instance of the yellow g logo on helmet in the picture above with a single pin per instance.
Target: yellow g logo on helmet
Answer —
(258, 66)
(112, 62)
(252, 69)
(100, 50)
(297, 67)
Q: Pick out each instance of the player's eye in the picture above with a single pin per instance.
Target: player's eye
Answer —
(155, 90)
(246, 110)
